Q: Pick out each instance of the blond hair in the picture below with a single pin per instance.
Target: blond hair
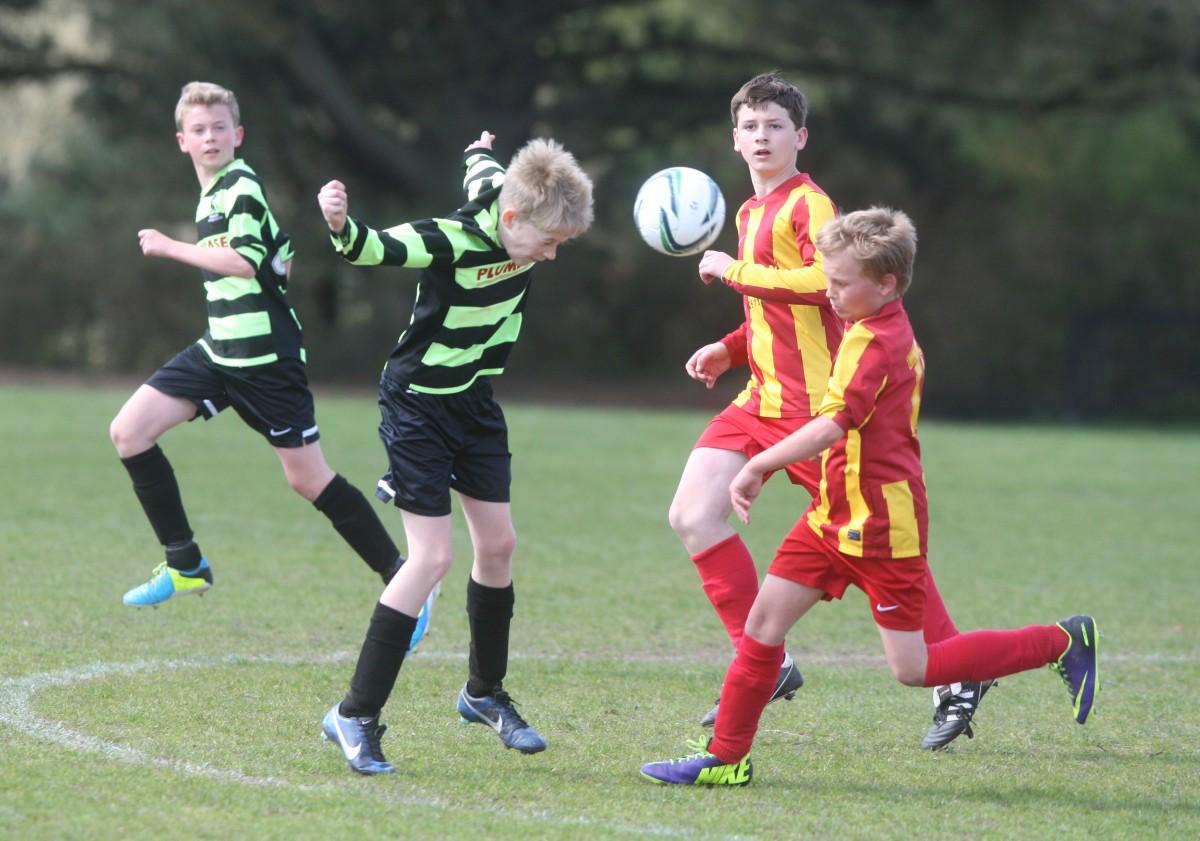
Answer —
(883, 240)
(548, 189)
(205, 93)
(771, 87)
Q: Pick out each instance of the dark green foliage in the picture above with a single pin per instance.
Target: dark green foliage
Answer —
(1048, 153)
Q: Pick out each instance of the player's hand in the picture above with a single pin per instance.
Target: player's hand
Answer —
(744, 489)
(335, 205)
(713, 265)
(485, 141)
(708, 363)
(154, 243)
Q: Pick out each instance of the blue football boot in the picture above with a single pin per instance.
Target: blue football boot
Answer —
(498, 711)
(166, 582)
(358, 739)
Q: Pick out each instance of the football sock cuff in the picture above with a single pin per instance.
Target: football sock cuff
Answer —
(749, 683)
(985, 655)
(489, 612)
(730, 580)
(358, 524)
(383, 650)
(157, 490)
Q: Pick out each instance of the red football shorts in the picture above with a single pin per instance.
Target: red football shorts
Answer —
(894, 586)
(738, 430)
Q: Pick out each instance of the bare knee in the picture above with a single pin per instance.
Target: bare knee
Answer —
(306, 486)
(306, 472)
(695, 524)
(677, 516)
(116, 433)
(128, 440)
(493, 556)
(439, 565)
(433, 564)
(498, 549)
(764, 627)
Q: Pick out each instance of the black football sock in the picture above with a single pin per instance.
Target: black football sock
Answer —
(379, 661)
(489, 610)
(359, 525)
(158, 492)
(184, 557)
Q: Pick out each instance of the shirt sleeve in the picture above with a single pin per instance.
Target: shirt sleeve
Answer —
(483, 172)
(246, 213)
(803, 284)
(415, 245)
(859, 375)
(736, 343)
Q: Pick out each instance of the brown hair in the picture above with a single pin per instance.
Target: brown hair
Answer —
(771, 87)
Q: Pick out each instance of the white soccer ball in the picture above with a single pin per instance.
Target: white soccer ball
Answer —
(679, 211)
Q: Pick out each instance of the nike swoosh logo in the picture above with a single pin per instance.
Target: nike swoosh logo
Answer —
(275, 433)
(883, 609)
(351, 751)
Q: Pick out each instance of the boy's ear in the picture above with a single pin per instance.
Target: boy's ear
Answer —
(507, 215)
(801, 137)
(179, 140)
(888, 285)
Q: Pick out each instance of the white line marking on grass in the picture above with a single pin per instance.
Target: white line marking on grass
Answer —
(16, 711)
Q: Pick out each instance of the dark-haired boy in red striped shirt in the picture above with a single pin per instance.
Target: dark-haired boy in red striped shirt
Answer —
(788, 339)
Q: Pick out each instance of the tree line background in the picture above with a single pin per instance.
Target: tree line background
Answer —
(1048, 153)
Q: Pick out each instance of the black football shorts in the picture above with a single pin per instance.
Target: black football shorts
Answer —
(273, 399)
(439, 442)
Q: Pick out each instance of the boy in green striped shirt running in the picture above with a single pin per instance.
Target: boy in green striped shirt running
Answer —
(441, 426)
(251, 357)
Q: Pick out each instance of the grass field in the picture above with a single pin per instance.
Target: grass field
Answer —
(200, 720)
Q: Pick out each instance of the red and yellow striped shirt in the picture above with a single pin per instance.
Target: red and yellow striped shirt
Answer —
(791, 333)
(872, 500)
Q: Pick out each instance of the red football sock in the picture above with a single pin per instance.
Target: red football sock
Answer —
(748, 686)
(984, 655)
(730, 581)
(938, 624)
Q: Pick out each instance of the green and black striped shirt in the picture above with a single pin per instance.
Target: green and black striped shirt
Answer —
(470, 296)
(250, 321)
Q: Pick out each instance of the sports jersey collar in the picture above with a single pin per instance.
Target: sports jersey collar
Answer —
(799, 179)
(889, 309)
(221, 173)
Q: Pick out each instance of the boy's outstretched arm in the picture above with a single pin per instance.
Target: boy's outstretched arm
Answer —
(220, 261)
(810, 440)
(415, 244)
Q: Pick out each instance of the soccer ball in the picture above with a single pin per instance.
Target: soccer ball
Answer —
(679, 211)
